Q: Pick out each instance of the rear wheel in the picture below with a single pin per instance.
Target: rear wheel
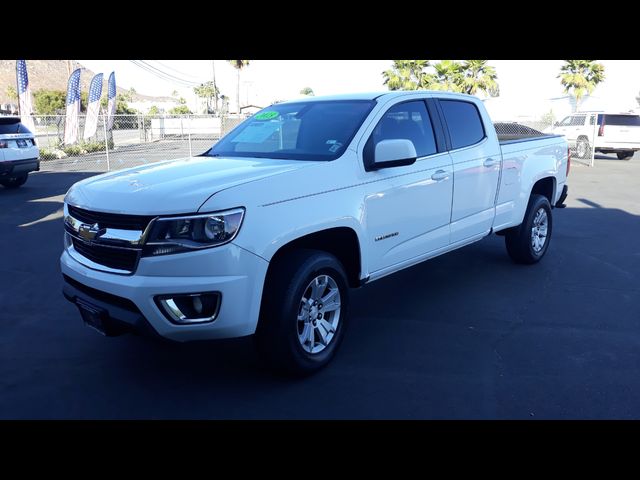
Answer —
(624, 155)
(304, 312)
(14, 182)
(529, 242)
(583, 150)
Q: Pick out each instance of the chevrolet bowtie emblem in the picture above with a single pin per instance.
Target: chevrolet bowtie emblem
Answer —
(90, 232)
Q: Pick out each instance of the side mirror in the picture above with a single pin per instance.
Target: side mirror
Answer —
(394, 153)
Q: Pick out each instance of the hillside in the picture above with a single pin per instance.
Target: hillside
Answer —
(53, 75)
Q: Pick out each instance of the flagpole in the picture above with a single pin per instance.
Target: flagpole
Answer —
(18, 90)
(106, 140)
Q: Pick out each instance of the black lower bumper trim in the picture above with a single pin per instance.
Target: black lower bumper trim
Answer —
(120, 315)
(19, 167)
(563, 197)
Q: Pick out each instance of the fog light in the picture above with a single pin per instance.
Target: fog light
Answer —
(190, 308)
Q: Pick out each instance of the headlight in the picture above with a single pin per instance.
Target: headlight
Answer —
(183, 234)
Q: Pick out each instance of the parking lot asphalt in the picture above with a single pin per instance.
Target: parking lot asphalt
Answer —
(468, 335)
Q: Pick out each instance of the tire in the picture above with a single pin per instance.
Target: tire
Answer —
(523, 242)
(287, 337)
(14, 182)
(582, 148)
(624, 155)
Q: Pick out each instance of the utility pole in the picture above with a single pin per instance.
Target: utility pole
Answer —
(215, 87)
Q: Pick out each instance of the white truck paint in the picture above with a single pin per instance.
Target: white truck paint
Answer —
(375, 221)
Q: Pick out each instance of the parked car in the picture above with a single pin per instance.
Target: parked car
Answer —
(617, 133)
(265, 233)
(19, 153)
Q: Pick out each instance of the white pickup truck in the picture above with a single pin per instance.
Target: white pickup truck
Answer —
(266, 232)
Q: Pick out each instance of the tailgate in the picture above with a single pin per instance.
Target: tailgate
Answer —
(18, 147)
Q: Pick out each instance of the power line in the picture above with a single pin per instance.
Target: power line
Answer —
(174, 70)
(163, 75)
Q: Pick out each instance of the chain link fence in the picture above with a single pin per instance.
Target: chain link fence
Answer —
(134, 140)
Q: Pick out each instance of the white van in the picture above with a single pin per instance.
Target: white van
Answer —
(617, 133)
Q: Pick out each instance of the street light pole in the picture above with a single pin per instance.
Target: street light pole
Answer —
(215, 87)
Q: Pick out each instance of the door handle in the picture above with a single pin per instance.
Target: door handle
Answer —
(440, 175)
(490, 162)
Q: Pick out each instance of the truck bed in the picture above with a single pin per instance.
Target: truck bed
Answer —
(511, 132)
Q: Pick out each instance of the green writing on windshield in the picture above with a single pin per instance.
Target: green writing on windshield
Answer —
(266, 115)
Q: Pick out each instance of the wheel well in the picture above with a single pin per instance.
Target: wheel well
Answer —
(546, 187)
(340, 241)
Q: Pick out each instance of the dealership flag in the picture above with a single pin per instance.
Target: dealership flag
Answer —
(111, 107)
(73, 108)
(24, 94)
(95, 92)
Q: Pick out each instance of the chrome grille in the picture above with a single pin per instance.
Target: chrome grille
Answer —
(105, 241)
(110, 220)
(112, 257)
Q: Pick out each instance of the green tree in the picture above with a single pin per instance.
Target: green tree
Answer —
(239, 65)
(122, 107)
(175, 93)
(579, 77)
(207, 91)
(478, 76)
(469, 76)
(154, 110)
(12, 93)
(180, 110)
(406, 75)
(130, 93)
(449, 76)
(182, 101)
(49, 102)
(308, 91)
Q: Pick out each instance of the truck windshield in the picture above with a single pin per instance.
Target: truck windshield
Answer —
(310, 130)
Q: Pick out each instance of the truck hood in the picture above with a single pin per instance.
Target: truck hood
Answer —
(177, 186)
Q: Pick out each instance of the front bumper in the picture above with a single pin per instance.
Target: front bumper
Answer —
(18, 167)
(234, 272)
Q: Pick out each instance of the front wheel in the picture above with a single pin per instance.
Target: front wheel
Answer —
(14, 182)
(304, 312)
(529, 242)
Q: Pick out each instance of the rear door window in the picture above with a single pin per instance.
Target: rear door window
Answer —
(463, 122)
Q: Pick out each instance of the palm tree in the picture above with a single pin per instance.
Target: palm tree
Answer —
(406, 75)
(449, 76)
(239, 65)
(579, 77)
(207, 91)
(478, 76)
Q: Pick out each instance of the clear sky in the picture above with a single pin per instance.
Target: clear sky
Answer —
(264, 81)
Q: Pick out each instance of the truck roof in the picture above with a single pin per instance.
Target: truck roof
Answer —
(371, 95)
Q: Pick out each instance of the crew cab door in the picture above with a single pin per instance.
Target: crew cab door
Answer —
(477, 160)
(407, 208)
